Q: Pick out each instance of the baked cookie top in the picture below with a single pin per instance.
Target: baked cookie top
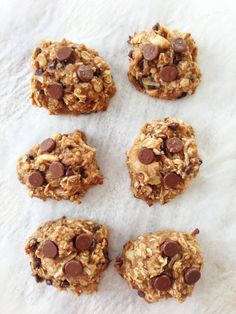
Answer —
(70, 78)
(60, 167)
(163, 160)
(163, 264)
(163, 63)
(69, 254)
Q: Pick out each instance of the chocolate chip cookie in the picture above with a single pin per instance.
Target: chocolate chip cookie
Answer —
(69, 254)
(60, 167)
(70, 78)
(162, 265)
(163, 63)
(163, 160)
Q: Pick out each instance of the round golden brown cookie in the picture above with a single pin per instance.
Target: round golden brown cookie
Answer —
(69, 254)
(163, 63)
(70, 78)
(163, 160)
(61, 167)
(161, 265)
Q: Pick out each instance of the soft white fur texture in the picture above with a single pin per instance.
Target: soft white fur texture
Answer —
(208, 204)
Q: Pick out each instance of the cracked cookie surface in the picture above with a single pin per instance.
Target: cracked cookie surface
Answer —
(61, 167)
(163, 63)
(163, 160)
(70, 78)
(69, 254)
(162, 265)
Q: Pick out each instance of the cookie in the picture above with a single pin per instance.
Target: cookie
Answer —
(163, 160)
(163, 63)
(69, 254)
(162, 265)
(70, 78)
(60, 167)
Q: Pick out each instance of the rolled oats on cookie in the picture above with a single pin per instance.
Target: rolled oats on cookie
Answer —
(70, 78)
(163, 160)
(69, 254)
(60, 167)
(162, 265)
(163, 63)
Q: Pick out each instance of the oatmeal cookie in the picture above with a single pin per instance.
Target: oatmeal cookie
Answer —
(163, 63)
(61, 167)
(69, 254)
(70, 78)
(163, 264)
(163, 160)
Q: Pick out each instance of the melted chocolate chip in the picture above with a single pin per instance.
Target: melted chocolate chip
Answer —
(64, 284)
(156, 27)
(38, 278)
(97, 72)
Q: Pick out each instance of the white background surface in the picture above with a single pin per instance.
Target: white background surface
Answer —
(208, 204)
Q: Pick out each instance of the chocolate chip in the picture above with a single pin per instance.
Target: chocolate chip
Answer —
(168, 73)
(146, 156)
(48, 145)
(30, 156)
(37, 262)
(151, 52)
(130, 38)
(85, 73)
(73, 268)
(141, 294)
(97, 72)
(36, 179)
(52, 65)
(49, 249)
(188, 170)
(55, 91)
(192, 275)
(200, 161)
(38, 51)
(57, 169)
(82, 172)
(156, 27)
(178, 45)
(69, 172)
(38, 278)
(170, 248)
(173, 126)
(96, 228)
(33, 245)
(171, 179)
(49, 282)
(39, 72)
(174, 145)
(64, 284)
(64, 53)
(83, 241)
(130, 54)
(184, 94)
(158, 158)
(195, 232)
(177, 58)
(162, 283)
